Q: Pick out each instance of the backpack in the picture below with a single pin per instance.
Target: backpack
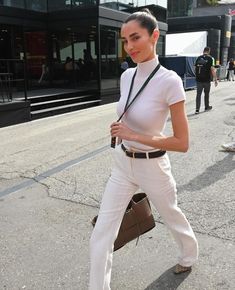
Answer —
(231, 65)
(202, 71)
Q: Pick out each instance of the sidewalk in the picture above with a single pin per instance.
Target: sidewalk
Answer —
(52, 174)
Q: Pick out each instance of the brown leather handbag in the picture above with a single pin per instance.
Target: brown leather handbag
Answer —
(137, 220)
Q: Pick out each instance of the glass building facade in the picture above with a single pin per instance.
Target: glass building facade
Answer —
(180, 8)
(68, 43)
(37, 5)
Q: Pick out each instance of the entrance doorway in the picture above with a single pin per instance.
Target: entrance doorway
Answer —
(36, 55)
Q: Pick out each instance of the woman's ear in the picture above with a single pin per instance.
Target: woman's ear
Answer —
(156, 34)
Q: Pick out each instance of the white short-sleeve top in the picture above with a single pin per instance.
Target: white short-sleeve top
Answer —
(148, 114)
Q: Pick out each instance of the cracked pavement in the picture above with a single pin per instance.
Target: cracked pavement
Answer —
(51, 181)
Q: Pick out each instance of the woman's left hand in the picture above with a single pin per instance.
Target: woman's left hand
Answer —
(119, 129)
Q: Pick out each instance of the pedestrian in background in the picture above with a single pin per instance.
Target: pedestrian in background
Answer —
(68, 67)
(205, 72)
(124, 65)
(231, 68)
(141, 160)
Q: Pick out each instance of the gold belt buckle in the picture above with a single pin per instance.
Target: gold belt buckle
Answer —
(130, 154)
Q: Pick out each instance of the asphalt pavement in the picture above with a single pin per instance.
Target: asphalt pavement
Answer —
(52, 175)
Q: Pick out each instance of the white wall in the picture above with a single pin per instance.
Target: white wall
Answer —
(187, 44)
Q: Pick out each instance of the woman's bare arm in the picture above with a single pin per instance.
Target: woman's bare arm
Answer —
(179, 141)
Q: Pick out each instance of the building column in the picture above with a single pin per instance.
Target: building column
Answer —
(226, 24)
(232, 46)
(213, 41)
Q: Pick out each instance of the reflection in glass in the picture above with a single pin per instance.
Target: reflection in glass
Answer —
(36, 52)
(180, 8)
(124, 4)
(5, 42)
(12, 54)
(110, 65)
(74, 62)
(59, 5)
(13, 3)
(62, 63)
(37, 5)
(69, 4)
(18, 43)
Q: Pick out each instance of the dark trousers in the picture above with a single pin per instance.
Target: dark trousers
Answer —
(200, 87)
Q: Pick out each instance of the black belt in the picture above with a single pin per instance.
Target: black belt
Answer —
(143, 155)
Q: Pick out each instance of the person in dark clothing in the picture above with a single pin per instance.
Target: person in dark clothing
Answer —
(231, 68)
(69, 66)
(205, 70)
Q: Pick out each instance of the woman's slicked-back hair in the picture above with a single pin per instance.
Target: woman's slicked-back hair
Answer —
(145, 19)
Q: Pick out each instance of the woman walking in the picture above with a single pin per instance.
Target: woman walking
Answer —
(141, 132)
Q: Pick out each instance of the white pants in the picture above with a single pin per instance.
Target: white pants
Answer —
(231, 75)
(154, 177)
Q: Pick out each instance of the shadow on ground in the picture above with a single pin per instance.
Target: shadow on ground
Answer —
(197, 115)
(211, 175)
(168, 280)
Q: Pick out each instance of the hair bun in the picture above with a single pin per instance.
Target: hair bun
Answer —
(146, 10)
(145, 18)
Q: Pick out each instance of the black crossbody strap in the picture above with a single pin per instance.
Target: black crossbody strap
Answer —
(127, 106)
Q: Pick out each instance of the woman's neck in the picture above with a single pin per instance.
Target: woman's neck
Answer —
(144, 69)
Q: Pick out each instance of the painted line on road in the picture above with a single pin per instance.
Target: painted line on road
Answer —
(53, 171)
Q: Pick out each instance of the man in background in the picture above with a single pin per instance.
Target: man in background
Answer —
(231, 68)
(205, 71)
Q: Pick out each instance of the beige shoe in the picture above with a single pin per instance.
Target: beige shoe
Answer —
(181, 269)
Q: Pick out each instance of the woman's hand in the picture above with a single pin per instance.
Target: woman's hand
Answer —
(120, 130)
(178, 142)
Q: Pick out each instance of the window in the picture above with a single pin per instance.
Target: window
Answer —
(13, 3)
(37, 5)
(109, 57)
(54, 5)
(74, 56)
(180, 8)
